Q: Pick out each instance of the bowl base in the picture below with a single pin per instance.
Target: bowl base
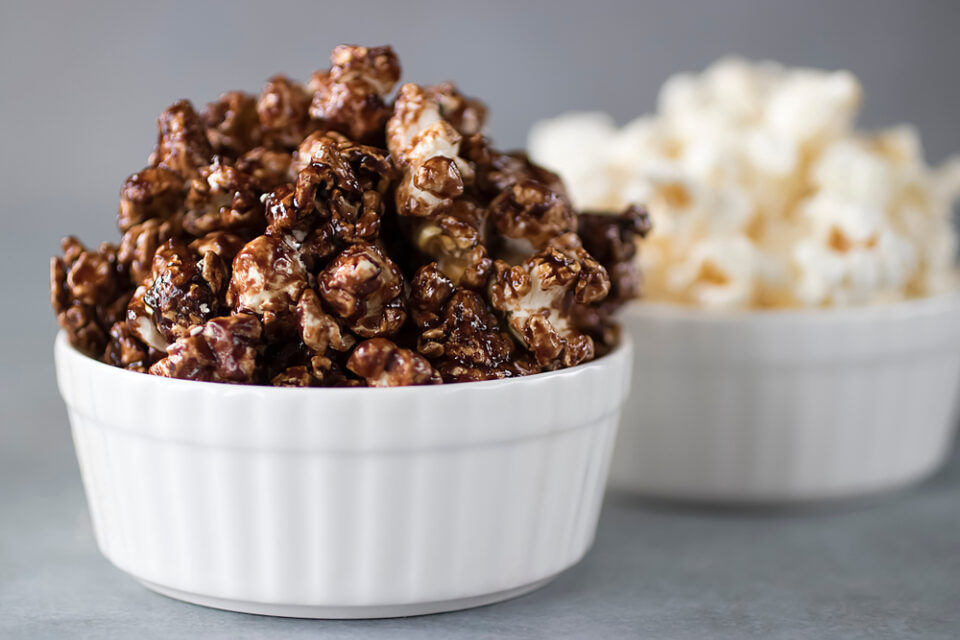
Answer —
(344, 612)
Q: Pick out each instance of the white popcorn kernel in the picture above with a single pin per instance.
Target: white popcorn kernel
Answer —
(809, 106)
(719, 273)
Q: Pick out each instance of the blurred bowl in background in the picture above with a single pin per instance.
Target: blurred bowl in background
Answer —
(788, 406)
(344, 503)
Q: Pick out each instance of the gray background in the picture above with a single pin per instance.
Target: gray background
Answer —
(80, 87)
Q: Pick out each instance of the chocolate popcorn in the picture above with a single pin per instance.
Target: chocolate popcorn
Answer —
(268, 278)
(611, 239)
(183, 290)
(467, 115)
(459, 331)
(125, 349)
(322, 334)
(456, 240)
(154, 192)
(140, 243)
(88, 291)
(282, 108)
(527, 215)
(322, 234)
(383, 364)
(232, 124)
(364, 288)
(221, 350)
(350, 97)
(495, 171)
(425, 147)
(268, 168)
(223, 198)
(297, 376)
(182, 144)
(536, 297)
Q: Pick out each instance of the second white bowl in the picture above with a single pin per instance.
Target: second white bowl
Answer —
(343, 503)
(771, 407)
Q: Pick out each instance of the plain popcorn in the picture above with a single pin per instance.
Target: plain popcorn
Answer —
(763, 194)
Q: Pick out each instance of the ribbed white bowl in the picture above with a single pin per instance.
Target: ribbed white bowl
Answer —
(343, 502)
(788, 406)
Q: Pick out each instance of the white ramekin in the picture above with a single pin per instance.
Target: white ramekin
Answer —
(774, 407)
(343, 503)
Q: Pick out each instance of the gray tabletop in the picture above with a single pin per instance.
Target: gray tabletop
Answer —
(888, 568)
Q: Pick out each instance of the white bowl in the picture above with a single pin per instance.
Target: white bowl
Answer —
(343, 503)
(788, 406)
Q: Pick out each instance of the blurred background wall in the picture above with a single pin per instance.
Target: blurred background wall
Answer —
(82, 83)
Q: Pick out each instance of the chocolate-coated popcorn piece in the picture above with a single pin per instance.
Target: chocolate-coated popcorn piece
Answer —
(268, 279)
(180, 294)
(125, 349)
(140, 243)
(152, 193)
(383, 364)
(425, 148)
(223, 198)
(88, 291)
(182, 144)
(283, 111)
(527, 215)
(220, 350)
(364, 288)
(467, 115)
(456, 239)
(536, 298)
(495, 171)
(612, 240)
(350, 97)
(458, 330)
(268, 168)
(232, 124)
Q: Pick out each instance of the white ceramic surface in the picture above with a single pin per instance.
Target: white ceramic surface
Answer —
(343, 503)
(774, 407)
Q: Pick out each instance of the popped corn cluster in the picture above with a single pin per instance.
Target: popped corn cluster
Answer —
(328, 235)
(763, 194)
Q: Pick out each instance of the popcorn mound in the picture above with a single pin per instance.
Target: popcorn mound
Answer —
(321, 235)
(762, 192)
